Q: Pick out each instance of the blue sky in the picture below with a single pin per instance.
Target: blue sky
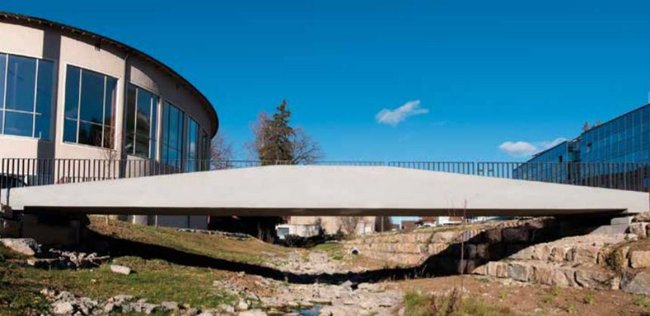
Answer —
(472, 75)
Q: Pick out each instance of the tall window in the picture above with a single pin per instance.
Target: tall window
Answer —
(89, 108)
(172, 135)
(26, 96)
(192, 150)
(141, 116)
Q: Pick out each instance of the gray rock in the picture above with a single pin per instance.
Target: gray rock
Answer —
(593, 279)
(169, 306)
(638, 283)
(121, 299)
(252, 312)
(226, 308)
(109, 308)
(242, 306)
(86, 305)
(24, 246)
(62, 308)
(65, 296)
(120, 269)
(143, 307)
(518, 271)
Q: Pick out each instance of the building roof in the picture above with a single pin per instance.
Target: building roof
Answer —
(66, 29)
(539, 153)
(613, 119)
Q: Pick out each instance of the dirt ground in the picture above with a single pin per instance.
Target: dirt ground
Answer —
(532, 299)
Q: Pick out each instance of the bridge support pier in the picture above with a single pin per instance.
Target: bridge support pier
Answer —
(617, 225)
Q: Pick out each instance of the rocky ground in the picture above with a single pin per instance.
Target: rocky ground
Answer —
(235, 275)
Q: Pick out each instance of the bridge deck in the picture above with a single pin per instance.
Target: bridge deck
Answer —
(325, 190)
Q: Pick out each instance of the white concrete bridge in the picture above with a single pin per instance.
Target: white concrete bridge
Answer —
(325, 190)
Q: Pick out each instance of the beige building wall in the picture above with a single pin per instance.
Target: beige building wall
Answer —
(332, 224)
(58, 44)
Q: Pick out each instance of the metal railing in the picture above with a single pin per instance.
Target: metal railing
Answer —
(36, 172)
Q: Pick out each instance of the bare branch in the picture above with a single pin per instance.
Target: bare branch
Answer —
(305, 149)
(220, 152)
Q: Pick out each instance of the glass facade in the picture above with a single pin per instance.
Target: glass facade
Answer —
(548, 165)
(624, 142)
(623, 139)
(192, 143)
(172, 135)
(140, 125)
(89, 106)
(26, 96)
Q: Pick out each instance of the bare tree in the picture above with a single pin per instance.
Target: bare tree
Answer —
(220, 153)
(255, 147)
(349, 224)
(305, 149)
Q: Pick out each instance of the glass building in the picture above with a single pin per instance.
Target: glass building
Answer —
(617, 151)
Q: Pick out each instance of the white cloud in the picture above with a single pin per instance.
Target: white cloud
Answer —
(398, 115)
(518, 149)
(525, 149)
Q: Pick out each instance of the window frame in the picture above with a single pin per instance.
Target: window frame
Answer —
(154, 116)
(33, 113)
(184, 137)
(78, 119)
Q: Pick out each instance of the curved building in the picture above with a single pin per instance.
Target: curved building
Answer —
(67, 93)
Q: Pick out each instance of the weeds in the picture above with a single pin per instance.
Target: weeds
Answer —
(589, 298)
(453, 304)
(642, 302)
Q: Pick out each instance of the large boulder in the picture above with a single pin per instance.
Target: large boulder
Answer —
(24, 246)
(638, 229)
(586, 254)
(636, 283)
(519, 271)
(640, 259)
(592, 278)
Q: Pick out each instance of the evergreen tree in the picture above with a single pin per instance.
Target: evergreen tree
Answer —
(276, 135)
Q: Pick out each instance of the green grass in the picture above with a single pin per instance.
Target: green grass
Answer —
(333, 250)
(416, 304)
(247, 251)
(155, 280)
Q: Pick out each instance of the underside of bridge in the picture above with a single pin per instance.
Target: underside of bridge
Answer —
(324, 190)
